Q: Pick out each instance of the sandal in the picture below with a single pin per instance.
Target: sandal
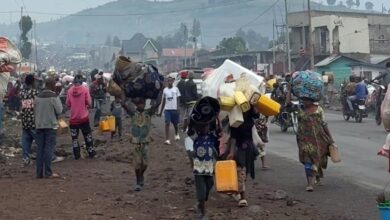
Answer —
(242, 203)
(54, 176)
(309, 188)
(137, 188)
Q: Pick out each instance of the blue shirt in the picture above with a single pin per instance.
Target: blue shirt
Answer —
(204, 155)
(361, 91)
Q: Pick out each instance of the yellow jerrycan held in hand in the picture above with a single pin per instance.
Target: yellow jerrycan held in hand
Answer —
(104, 125)
(111, 122)
(226, 180)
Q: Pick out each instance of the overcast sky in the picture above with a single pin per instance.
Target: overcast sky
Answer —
(12, 7)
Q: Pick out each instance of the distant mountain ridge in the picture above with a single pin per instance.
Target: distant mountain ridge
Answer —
(218, 18)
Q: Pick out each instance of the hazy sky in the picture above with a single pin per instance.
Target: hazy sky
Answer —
(10, 9)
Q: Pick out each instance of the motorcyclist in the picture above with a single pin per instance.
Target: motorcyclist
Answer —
(360, 93)
(384, 78)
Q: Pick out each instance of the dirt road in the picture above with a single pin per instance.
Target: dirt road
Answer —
(101, 188)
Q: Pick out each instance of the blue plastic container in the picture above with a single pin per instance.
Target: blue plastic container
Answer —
(384, 213)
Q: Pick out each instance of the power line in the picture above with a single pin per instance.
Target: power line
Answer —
(131, 14)
(248, 23)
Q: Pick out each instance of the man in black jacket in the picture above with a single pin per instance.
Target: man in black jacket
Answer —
(191, 96)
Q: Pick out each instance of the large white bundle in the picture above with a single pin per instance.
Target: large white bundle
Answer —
(9, 53)
(212, 83)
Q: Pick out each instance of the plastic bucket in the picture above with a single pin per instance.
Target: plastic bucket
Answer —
(384, 213)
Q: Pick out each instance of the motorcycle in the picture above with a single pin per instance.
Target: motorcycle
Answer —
(380, 92)
(288, 117)
(359, 109)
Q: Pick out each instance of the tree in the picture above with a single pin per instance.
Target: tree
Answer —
(116, 42)
(108, 41)
(196, 31)
(331, 2)
(181, 35)
(25, 25)
(369, 5)
(232, 45)
(350, 3)
(357, 3)
(341, 4)
(241, 33)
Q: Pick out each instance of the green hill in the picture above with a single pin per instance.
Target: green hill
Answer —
(219, 18)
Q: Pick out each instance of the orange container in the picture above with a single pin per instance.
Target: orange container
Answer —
(111, 122)
(226, 179)
(104, 125)
(267, 106)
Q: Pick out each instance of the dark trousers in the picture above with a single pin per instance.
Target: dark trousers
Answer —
(87, 133)
(118, 127)
(45, 139)
(203, 186)
(97, 103)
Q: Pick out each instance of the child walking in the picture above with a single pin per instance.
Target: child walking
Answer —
(116, 111)
(140, 131)
(205, 131)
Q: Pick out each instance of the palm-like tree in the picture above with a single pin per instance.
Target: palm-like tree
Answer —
(369, 5)
(331, 2)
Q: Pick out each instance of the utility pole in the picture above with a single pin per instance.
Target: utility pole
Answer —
(310, 37)
(288, 38)
(196, 51)
(273, 41)
(20, 28)
(36, 46)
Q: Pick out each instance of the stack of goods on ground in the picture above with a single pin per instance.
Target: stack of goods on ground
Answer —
(132, 79)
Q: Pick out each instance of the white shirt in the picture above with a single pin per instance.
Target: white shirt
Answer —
(171, 95)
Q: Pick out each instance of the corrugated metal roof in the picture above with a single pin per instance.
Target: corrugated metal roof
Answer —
(375, 59)
(327, 61)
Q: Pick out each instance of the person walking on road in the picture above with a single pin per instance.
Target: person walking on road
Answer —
(47, 108)
(170, 102)
(116, 111)
(313, 139)
(141, 124)
(182, 104)
(98, 91)
(191, 96)
(79, 100)
(27, 96)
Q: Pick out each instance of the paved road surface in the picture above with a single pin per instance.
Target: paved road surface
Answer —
(351, 186)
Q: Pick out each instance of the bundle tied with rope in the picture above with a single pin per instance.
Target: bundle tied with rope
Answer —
(133, 79)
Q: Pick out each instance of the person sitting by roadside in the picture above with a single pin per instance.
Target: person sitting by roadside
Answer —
(47, 108)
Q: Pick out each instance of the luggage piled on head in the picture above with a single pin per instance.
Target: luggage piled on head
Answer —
(9, 55)
(307, 84)
(137, 79)
(237, 97)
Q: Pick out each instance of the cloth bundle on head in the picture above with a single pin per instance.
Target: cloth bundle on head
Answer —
(205, 111)
(307, 85)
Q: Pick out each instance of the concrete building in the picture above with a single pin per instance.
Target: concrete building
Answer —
(340, 32)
